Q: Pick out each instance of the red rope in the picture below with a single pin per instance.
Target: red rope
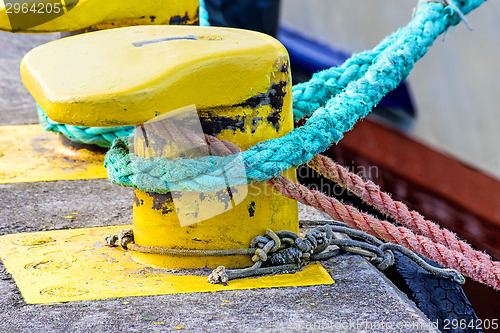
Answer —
(484, 272)
(371, 194)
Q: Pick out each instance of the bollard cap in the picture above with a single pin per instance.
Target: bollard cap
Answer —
(70, 15)
(128, 76)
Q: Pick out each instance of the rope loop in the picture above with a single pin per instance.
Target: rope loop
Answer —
(99, 136)
(275, 239)
(387, 260)
(260, 255)
(284, 251)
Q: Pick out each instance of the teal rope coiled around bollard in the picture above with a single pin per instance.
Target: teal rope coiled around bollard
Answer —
(100, 136)
(203, 14)
(392, 61)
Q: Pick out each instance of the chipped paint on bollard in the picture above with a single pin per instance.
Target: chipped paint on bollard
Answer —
(242, 91)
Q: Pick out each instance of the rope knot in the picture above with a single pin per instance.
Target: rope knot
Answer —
(386, 261)
(218, 276)
(260, 254)
(125, 237)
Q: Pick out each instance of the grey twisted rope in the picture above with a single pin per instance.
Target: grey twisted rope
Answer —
(286, 251)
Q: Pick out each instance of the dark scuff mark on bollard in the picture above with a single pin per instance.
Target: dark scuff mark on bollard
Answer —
(180, 20)
(284, 67)
(274, 119)
(251, 209)
(277, 98)
(164, 203)
(138, 202)
(213, 125)
(166, 39)
(70, 4)
(274, 97)
(224, 196)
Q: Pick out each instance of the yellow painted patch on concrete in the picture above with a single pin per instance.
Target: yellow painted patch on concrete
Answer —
(29, 154)
(70, 15)
(130, 75)
(75, 265)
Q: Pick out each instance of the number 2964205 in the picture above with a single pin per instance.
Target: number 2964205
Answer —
(33, 8)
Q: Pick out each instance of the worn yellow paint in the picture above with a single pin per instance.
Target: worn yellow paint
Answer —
(97, 14)
(29, 154)
(102, 79)
(223, 229)
(75, 265)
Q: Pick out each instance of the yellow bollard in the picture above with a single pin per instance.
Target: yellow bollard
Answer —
(71, 15)
(239, 82)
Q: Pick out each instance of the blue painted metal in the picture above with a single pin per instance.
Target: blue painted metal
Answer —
(258, 15)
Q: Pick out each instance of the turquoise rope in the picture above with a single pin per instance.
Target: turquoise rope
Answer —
(396, 57)
(100, 136)
(315, 93)
(203, 14)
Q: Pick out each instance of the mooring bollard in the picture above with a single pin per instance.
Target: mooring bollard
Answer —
(238, 85)
(90, 15)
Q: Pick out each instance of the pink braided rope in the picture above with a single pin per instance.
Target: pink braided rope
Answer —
(487, 273)
(371, 194)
